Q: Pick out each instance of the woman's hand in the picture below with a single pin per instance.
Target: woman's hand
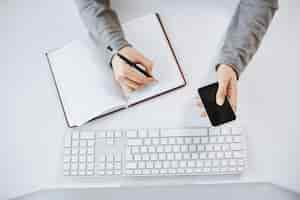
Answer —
(227, 79)
(128, 78)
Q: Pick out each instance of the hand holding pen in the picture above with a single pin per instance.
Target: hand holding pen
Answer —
(132, 70)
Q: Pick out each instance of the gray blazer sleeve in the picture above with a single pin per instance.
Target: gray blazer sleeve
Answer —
(103, 24)
(245, 32)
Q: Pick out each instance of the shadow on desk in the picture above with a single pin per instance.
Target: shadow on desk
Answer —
(232, 191)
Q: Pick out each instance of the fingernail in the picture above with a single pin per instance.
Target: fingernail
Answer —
(220, 101)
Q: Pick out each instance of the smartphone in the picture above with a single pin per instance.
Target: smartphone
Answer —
(217, 114)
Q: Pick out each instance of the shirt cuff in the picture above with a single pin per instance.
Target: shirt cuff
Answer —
(114, 47)
(234, 63)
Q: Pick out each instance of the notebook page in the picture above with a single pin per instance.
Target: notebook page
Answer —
(146, 35)
(84, 81)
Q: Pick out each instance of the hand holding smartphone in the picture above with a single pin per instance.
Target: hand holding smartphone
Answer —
(217, 114)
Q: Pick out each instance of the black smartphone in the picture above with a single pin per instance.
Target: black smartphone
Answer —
(217, 114)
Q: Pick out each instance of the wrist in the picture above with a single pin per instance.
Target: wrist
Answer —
(231, 67)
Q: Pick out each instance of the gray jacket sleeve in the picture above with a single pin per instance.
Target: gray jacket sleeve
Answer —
(103, 25)
(245, 32)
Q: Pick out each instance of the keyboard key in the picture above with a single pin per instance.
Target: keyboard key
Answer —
(228, 139)
(192, 148)
(135, 149)
(194, 156)
(172, 140)
(67, 140)
(147, 141)
(174, 164)
(160, 149)
(162, 156)
(235, 146)
(196, 140)
(209, 147)
(144, 149)
(191, 163)
(168, 148)
(184, 148)
(131, 133)
(118, 134)
(213, 139)
(141, 165)
(131, 165)
(143, 133)
(109, 134)
(135, 142)
(166, 164)
(163, 141)
(151, 149)
(100, 134)
(117, 165)
(137, 157)
(199, 163)
(236, 130)
(129, 172)
(178, 156)
(188, 140)
(211, 155)
(153, 133)
(182, 164)
(157, 165)
(176, 148)
(220, 155)
(179, 140)
(186, 156)
(155, 141)
(237, 154)
(220, 139)
(237, 139)
(214, 131)
(203, 155)
(145, 157)
(170, 156)
(87, 135)
(67, 151)
(228, 154)
(226, 131)
(200, 147)
(204, 140)
(75, 135)
(66, 166)
(91, 143)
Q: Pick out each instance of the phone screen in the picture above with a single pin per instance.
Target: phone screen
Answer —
(217, 114)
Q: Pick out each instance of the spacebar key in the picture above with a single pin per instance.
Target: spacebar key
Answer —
(184, 132)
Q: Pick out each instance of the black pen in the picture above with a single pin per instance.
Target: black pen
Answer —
(135, 66)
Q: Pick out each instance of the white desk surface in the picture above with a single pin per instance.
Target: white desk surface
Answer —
(32, 123)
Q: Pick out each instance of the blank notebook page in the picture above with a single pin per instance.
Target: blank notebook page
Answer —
(146, 35)
(85, 82)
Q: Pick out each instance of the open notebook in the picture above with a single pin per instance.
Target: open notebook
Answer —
(86, 86)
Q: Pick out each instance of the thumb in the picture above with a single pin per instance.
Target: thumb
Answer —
(221, 93)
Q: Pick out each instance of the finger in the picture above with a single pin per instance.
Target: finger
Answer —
(126, 90)
(148, 64)
(199, 103)
(137, 77)
(221, 93)
(203, 114)
(232, 93)
(131, 84)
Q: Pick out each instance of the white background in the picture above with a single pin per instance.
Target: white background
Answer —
(32, 123)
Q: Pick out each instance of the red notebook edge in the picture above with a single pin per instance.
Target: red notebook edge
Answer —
(136, 103)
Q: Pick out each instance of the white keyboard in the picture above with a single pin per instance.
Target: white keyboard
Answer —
(155, 152)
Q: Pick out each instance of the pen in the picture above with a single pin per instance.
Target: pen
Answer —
(132, 64)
